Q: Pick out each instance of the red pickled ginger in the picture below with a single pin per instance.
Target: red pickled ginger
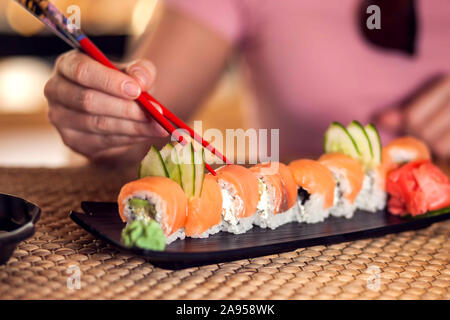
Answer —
(416, 188)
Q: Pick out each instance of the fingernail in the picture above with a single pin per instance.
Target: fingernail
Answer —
(141, 76)
(131, 89)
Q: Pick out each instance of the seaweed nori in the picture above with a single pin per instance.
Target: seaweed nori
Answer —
(303, 195)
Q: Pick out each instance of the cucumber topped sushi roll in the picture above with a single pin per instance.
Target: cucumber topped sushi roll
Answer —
(316, 190)
(239, 188)
(349, 176)
(362, 144)
(277, 195)
(372, 196)
(157, 199)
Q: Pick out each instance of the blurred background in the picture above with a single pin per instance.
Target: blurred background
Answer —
(27, 54)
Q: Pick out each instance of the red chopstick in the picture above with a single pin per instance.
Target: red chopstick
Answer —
(146, 100)
(178, 122)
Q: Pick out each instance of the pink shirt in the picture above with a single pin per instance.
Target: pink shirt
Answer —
(310, 65)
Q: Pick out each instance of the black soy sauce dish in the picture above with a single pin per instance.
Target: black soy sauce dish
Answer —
(17, 223)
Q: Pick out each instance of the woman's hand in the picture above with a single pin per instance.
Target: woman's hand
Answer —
(427, 116)
(93, 108)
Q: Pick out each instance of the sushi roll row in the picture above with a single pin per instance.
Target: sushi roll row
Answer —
(233, 201)
(189, 203)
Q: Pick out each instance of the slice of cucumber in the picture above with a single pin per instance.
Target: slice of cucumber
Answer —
(153, 165)
(358, 133)
(170, 158)
(199, 171)
(338, 139)
(187, 167)
(375, 141)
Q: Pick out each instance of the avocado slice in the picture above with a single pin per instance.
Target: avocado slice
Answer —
(170, 158)
(142, 208)
(187, 168)
(152, 165)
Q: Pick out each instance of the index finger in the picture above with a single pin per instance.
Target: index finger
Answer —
(81, 69)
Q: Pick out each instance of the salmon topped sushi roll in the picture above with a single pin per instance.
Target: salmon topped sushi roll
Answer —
(155, 198)
(239, 188)
(349, 176)
(205, 212)
(277, 195)
(402, 150)
(316, 189)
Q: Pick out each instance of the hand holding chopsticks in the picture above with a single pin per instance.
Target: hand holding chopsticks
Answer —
(59, 24)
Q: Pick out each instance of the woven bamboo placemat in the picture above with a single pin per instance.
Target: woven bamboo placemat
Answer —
(409, 265)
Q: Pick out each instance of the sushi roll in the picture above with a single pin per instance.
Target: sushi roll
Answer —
(349, 176)
(277, 195)
(157, 199)
(316, 190)
(372, 196)
(204, 215)
(402, 150)
(239, 189)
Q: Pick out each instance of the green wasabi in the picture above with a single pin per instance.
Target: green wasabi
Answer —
(144, 234)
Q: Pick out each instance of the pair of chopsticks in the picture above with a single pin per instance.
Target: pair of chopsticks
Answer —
(48, 14)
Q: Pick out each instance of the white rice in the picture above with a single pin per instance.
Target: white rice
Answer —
(266, 203)
(312, 211)
(372, 197)
(160, 208)
(279, 219)
(341, 207)
(213, 230)
(243, 225)
(266, 218)
(231, 206)
(179, 234)
(400, 155)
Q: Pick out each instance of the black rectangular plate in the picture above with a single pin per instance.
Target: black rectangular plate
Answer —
(102, 220)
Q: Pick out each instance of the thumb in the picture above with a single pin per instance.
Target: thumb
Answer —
(143, 71)
(391, 120)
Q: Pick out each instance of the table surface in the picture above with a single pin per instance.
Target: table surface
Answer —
(408, 265)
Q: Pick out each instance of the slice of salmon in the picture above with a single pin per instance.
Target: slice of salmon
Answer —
(168, 190)
(268, 172)
(402, 150)
(315, 178)
(289, 184)
(205, 211)
(246, 184)
(351, 168)
(279, 175)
